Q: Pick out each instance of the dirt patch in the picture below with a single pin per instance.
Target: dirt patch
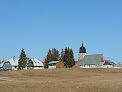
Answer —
(4, 79)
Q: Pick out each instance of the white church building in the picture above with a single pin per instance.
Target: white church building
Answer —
(91, 61)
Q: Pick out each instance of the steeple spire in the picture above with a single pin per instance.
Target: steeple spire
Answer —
(82, 43)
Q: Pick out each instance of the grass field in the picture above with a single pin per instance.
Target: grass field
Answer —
(62, 80)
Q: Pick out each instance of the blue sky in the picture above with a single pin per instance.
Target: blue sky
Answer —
(39, 25)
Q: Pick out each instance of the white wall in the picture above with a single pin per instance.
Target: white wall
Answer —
(38, 68)
(94, 66)
(81, 55)
(13, 68)
(51, 67)
(105, 66)
(102, 63)
(88, 66)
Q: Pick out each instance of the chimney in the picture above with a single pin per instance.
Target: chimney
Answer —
(14, 58)
(3, 61)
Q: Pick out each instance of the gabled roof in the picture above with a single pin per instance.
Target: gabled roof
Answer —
(36, 62)
(14, 61)
(1, 65)
(91, 60)
(107, 63)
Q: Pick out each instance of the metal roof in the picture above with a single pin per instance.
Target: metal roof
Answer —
(91, 60)
(14, 62)
(36, 62)
(1, 65)
(53, 62)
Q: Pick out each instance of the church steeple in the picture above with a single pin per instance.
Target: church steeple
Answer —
(82, 49)
(82, 52)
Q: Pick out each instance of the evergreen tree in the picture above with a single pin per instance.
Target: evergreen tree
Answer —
(65, 57)
(62, 55)
(22, 60)
(72, 61)
(68, 58)
(52, 55)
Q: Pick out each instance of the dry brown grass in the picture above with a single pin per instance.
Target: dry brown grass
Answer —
(62, 80)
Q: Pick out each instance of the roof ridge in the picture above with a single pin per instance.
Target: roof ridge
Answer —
(94, 54)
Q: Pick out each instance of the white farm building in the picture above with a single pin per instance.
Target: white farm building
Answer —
(37, 64)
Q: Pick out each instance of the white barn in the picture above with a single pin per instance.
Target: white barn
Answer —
(37, 64)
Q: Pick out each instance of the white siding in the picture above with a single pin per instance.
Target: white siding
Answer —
(51, 67)
(94, 66)
(88, 66)
(81, 55)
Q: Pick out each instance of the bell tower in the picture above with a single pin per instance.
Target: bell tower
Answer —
(82, 52)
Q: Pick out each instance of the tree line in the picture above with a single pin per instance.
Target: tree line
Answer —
(66, 56)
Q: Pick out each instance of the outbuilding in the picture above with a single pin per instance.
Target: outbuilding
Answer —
(55, 64)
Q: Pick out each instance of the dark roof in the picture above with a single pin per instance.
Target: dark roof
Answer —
(91, 60)
(82, 49)
(107, 63)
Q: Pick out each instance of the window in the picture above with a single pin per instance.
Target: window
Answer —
(50, 64)
(53, 64)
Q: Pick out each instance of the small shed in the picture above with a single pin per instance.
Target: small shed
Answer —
(55, 64)
(5, 66)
